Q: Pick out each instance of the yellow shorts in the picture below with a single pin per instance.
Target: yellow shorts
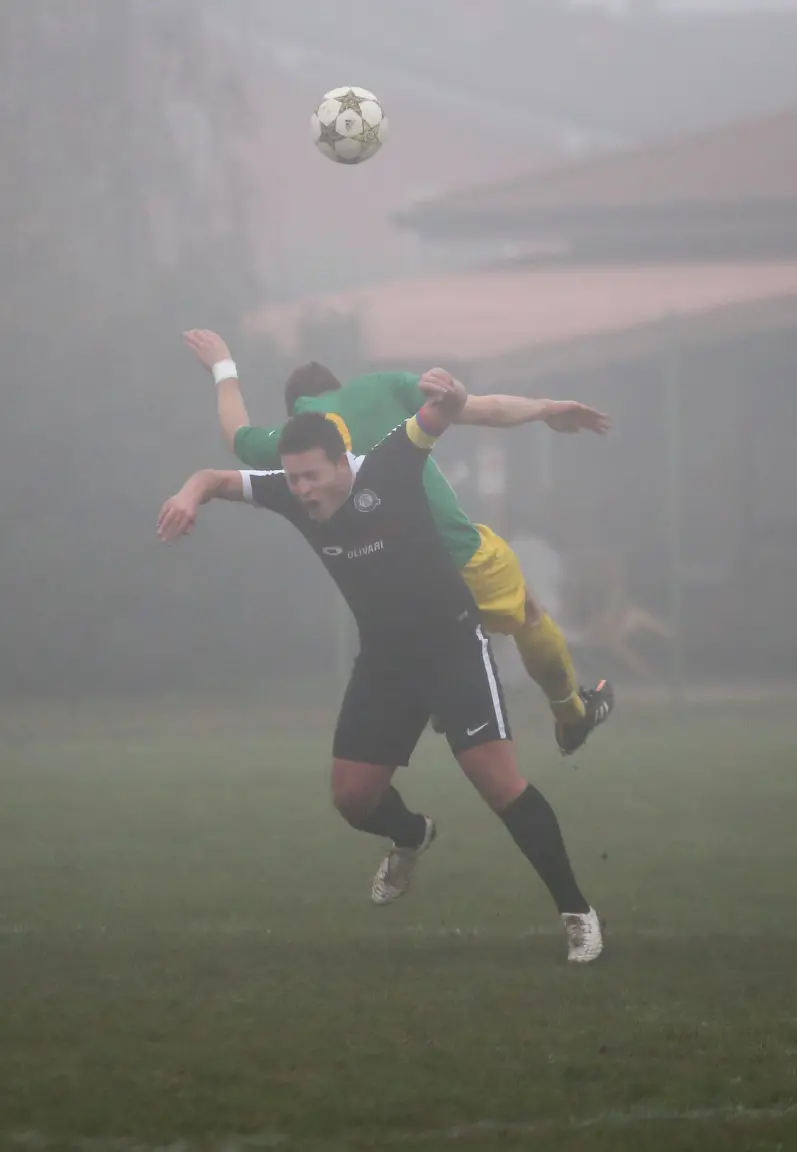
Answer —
(496, 582)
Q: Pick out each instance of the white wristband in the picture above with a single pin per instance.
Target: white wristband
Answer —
(224, 370)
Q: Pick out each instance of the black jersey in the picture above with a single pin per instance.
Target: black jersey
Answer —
(382, 547)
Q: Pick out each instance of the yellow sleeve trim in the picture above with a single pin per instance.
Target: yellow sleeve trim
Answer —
(342, 427)
(417, 435)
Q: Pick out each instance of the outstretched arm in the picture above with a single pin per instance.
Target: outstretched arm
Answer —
(178, 515)
(498, 411)
(213, 353)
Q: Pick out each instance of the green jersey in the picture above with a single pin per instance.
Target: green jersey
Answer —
(366, 410)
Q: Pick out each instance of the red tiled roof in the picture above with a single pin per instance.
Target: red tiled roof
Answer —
(483, 315)
(750, 162)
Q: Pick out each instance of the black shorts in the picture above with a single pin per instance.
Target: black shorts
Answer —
(393, 690)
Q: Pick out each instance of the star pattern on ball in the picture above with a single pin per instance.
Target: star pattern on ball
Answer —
(329, 134)
(349, 102)
(369, 134)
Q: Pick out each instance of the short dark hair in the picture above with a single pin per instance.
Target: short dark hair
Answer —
(309, 380)
(311, 430)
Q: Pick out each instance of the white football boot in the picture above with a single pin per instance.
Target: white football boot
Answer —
(394, 875)
(584, 936)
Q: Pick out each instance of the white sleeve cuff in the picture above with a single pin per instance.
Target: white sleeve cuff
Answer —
(246, 478)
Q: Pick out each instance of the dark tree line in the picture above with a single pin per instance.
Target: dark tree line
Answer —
(115, 235)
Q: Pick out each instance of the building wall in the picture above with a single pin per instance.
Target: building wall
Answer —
(704, 518)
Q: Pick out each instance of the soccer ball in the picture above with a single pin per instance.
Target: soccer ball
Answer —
(349, 125)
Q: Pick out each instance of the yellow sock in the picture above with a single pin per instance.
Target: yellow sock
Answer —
(544, 652)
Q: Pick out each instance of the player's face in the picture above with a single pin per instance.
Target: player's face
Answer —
(321, 485)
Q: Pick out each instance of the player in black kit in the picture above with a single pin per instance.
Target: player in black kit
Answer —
(422, 648)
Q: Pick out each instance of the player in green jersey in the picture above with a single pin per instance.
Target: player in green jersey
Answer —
(367, 409)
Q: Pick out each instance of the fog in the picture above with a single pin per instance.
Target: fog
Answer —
(158, 173)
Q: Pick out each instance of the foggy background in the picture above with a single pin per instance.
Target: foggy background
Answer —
(158, 173)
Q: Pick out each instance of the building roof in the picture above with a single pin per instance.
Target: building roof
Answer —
(485, 317)
(751, 165)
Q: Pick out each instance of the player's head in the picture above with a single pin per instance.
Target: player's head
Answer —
(316, 464)
(309, 380)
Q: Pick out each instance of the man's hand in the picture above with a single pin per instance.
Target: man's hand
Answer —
(178, 516)
(444, 391)
(207, 346)
(570, 416)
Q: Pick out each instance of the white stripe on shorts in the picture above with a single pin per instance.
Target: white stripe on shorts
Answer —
(496, 695)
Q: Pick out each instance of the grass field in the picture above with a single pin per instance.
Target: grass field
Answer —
(189, 959)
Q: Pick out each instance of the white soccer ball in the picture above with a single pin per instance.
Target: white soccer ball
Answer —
(349, 125)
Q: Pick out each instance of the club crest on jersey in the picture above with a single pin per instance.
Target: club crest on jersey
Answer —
(366, 500)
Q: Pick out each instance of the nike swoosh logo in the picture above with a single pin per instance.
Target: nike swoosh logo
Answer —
(473, 731)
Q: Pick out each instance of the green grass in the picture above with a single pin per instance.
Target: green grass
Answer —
(189, 959)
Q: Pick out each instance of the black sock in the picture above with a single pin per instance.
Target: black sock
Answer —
(392, 818)
(533, 826)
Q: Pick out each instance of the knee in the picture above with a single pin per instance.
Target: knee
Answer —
(355, 796)
(493, 772)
